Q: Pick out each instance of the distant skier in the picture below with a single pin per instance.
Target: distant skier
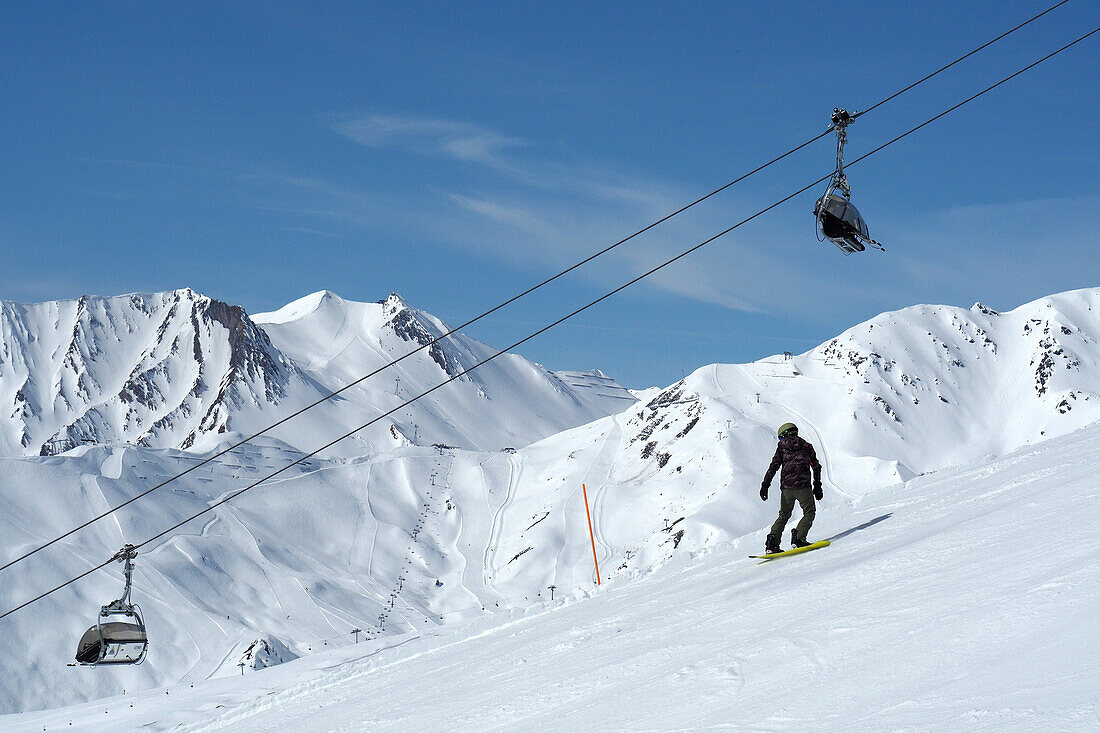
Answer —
(797, 458)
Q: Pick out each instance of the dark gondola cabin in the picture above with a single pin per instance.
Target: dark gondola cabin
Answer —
(837, 219)
(841, 223)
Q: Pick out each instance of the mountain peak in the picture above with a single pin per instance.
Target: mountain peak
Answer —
(393, 305)
(302, 307)
(157, 369)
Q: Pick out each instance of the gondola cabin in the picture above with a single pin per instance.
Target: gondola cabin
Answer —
(114, 642)
(840, 223)
(837, 219)
(119, 635)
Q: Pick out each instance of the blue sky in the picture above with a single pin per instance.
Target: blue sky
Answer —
(458, 153)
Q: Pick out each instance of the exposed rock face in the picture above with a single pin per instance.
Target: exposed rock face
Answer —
(179, 369)
(265, 652)
(156, 370)
(412, 325)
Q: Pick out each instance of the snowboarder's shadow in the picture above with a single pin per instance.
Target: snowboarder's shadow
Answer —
(865, 525)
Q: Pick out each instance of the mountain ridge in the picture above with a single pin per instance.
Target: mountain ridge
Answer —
(396, 535)
(181, 370)
(143, 388)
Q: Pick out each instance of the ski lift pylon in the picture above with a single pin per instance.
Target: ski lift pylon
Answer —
(838, 220)
(119, 635)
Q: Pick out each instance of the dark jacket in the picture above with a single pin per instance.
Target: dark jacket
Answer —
(797, 457)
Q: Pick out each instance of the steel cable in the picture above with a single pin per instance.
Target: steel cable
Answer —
(508, 302)
(542, 330)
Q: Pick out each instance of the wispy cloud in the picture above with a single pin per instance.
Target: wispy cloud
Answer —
(1021, 249)
(547, 206)
(517, 217)
(533, 201)
(462, 141)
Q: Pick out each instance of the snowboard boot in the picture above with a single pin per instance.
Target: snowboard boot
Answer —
(797, 542)
(771, 545)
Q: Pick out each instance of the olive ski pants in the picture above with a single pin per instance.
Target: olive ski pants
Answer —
(805, 498)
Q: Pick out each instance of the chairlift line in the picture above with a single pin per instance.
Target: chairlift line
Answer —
(649, 272)
(131, 638)
(513, 299)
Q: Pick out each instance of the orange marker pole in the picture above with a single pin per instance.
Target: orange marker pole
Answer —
(591, 536)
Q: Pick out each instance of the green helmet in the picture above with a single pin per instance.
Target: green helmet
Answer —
(787, 427)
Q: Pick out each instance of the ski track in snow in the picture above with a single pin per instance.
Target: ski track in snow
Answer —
(489, 563)
(614, 439)
(340, 350)
(602, 464)
(629, 660)
(819, 442)
(899, 625)
(93, 492)
(470, 571)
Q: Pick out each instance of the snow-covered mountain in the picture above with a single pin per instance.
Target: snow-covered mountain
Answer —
(181, 370)
(903, 394)
(952, 602)
(156, 370)
(404, 538)
(508, 402)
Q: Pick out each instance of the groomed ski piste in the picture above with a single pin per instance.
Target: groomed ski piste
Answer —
(960, 600)
(959, 447)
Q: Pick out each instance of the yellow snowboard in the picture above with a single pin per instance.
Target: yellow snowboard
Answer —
(795, 551)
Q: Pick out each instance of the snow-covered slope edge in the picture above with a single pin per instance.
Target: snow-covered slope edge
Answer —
(411, 537)
(507, 402)
(952, 602)
(905, 393)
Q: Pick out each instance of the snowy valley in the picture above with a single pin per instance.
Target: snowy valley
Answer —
(950, 437)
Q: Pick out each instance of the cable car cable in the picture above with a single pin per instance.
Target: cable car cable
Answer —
(603, 297)
(420, 348)
(511, 300)
(961, 58)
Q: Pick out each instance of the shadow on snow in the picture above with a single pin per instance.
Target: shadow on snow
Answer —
(863, 526)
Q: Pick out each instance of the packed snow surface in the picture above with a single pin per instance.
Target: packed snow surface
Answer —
(962, 600)
(441, 523)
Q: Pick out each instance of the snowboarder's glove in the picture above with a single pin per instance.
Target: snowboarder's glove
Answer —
(763, 492)
(818, 493)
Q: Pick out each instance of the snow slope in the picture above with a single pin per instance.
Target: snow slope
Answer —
(508, 402)
(407, 538)
(903, 394)
(160, 370)
(181, 370)
(961, 600)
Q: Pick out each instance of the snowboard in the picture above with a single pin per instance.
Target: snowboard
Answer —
(795, 551)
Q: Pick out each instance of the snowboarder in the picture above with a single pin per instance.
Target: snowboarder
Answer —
(797, 458)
